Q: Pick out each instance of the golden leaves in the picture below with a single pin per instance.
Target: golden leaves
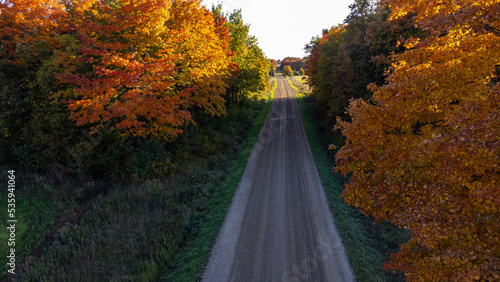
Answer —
(425, 151)
(150, 62)
(437, 16)
(27, 28)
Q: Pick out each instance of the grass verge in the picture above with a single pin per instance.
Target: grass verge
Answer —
(300, 78)
(189, 262)
(36, 213)
(367, 243)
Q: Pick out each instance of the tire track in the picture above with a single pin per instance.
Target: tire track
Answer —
(278, 227)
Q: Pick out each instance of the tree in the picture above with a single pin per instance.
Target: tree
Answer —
(251, 75)
(28, 28)
(29, 125)
(301, 71)
(287, 70)
(272, 71)
(143, 64)
(295, 63)
(423, 153)
(350, 56)
(343, 65)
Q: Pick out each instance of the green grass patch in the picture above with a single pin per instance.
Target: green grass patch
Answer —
(367, 243)
(274, 86)
(294, 87)
(300, 78)
(35, 213)
(299, 86)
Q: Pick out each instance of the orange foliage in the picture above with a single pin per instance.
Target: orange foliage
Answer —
(205, 56)
(424, 154)
(27, 27)
(442, 15)
(287, 70)
(142, 64)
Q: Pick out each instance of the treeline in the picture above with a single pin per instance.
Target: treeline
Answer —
(295, 63)
(288, 66)
(97, 87)
(419, 141)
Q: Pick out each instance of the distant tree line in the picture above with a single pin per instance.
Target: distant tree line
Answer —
(295, 63)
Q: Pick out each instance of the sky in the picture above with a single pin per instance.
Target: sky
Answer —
(284, 27)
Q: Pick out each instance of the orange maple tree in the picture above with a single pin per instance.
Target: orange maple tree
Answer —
(424, 152)
(142, 64)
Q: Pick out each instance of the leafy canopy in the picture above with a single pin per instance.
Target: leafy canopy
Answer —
(143, 64)
(287, 70)
(424, 152)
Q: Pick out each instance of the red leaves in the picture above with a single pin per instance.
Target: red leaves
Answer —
(27, 28)
(143, 64)
(295, 63)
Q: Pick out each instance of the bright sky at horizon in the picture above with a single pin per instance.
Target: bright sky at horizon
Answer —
(283, 27)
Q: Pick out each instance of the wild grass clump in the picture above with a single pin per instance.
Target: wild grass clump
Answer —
(137, 226)
(36, 212)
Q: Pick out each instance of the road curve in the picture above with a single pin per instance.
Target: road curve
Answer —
(279, 227)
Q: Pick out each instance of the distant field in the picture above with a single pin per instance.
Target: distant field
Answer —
(300, 78)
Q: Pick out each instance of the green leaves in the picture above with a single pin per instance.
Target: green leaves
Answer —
(251, 71)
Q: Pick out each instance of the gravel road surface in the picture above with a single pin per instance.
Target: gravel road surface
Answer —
(279, 227)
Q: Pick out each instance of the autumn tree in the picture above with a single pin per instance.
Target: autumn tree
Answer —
(287, 70)
(301, 71)
(142, 65)
(272, 71)
(253, 67)
(30, 125)
(140, 68)
(423, 153)
(340, 64)
(28, 29)
(295, 63)
(330, 73)
(350, 56)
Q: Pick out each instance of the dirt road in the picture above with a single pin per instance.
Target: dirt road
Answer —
(278, 227)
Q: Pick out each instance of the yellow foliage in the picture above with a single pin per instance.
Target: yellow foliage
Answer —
(151, 60)
(432, 132)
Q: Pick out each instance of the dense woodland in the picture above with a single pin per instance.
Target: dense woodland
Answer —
(296, 64)
(80, 77)
(412, 90)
